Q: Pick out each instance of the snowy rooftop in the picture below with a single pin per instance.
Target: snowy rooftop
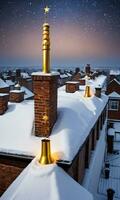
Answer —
(3, 84)
(114, 95)
(28, 93)
(73, 113)
(45, 182)
(3, 94)
(25, 75)
(99, 81)
(115, 81)
(114, 72)
(10, 82)
(63, 76)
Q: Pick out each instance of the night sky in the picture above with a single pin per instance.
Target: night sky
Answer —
(82, 31)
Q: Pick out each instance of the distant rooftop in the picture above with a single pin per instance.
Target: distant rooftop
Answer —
(115, 72)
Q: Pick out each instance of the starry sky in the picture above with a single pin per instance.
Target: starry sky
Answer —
(82, 31)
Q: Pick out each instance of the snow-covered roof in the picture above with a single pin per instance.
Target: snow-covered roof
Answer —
(10, 82)
(114, 95)
(63, 76)
(115, 81)
(114, 72)
(45, 182)
(3, 94)
(69, 74)
(99, 81)
(25, 75)
(73, 113)
(3, 84)
(28, 93)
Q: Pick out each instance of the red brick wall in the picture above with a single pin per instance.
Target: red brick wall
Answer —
(45, 90)
(88, 148)
(4, 90)
(16, 97)
(7, 175)
(72, 87)
(3, 104)
(77, 169)
(76, 77)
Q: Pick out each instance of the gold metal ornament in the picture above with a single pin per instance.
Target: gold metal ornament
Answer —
(45, 118)
(45, 157)
(87, 91)
(46, 49)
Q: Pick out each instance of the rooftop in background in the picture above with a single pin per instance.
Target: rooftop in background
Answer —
(3, 84)
(114, 95)
(115, 72)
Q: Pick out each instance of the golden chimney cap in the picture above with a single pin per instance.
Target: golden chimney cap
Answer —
(45, 157)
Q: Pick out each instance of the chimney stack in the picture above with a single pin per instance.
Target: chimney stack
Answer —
(72, 86)
(87, 69)
(3, 103)
(45, 90)
(98, 91)
(16, 96)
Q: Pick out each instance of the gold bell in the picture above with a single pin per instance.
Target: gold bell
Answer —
(45, 157)
(87, 91)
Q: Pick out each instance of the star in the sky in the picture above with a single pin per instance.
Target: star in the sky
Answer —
(46, 9)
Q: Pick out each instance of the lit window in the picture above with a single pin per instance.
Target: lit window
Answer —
(113, 105)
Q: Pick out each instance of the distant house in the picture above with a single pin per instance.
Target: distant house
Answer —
(114, 74)
(113, 91)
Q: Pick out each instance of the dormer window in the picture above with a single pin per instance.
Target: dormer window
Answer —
(113, 105)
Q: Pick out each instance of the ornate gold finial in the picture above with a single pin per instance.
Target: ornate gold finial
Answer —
(46, 44)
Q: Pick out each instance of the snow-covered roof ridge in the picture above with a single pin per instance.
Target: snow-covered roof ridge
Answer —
(45, 182)
(10, 82)
(3, 84)
(114, 72)
(99, 81)
(115, 81)
(114, 95)
(28, 93)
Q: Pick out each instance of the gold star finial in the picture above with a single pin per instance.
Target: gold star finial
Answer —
(46, 10)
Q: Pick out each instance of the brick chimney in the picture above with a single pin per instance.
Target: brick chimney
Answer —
(87, 69)
(72, 86)
(45, 90)
(16, 96)
(3, 103)
(4, 88)
(82, 81)
(98, 91)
